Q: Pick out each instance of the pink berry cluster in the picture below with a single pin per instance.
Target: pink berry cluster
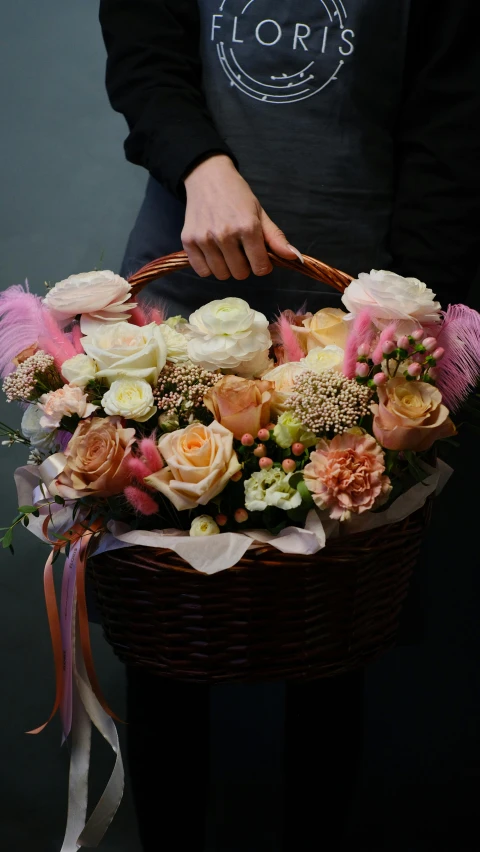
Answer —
(260, 451)
(414, 356)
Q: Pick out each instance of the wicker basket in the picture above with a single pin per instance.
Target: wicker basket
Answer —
(274, 616)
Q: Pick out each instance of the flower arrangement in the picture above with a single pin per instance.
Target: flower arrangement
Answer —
(221, 421)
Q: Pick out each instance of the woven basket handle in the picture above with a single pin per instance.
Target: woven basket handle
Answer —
(310, 267)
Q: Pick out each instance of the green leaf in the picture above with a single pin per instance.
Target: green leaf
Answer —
(26, 521)
(27, 510)
(59, 500)
(36, 513)
(306, 495)
(7, 539)
(296, 479)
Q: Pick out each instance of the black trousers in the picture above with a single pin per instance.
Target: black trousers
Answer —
(168, 755)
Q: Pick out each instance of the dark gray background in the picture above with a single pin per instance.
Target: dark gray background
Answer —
(68, 200)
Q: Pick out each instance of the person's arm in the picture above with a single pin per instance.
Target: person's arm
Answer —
(154, 79)
(435, 234)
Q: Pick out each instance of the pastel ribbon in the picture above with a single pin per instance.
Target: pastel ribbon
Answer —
(78, 694)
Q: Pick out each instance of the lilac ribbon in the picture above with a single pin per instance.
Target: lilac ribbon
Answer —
(66, 615)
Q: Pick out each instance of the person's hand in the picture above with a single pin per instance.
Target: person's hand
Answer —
(226, 229)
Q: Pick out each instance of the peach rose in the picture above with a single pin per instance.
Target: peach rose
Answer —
(346, 475)
(96, 459)
(410, 416)
(241, 405)
(283, 377)
(326, 328)
(201, 461)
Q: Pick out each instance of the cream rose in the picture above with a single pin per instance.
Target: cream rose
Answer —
(177, 343)
(130, 398)
(325, 328)
(200, 462)
(204, 525)
(228, 335)
(79, 370)
(328, 358)
(387, 296)
(122, 350)
(64, 402)
(283, 377)
(95, 459)
(410, 416)
(97, 296)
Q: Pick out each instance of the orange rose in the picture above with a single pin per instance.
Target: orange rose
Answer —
(410, 416)
(200, 463)
(95, 459)
(241, 405)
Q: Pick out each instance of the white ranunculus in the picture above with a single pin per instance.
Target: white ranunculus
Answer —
(324, 358)
(122, 350)
(283, 378)
(387, 296)
(204, 525)
(227, 333)
(255, 367)
(130, 398)
(97, 296)
(42, 439)
(270, 488)
(177, 344)
(79, 370)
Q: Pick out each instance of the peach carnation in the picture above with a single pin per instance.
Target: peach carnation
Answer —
(346, 475)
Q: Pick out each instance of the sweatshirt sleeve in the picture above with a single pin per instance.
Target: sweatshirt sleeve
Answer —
(435, 233)
(154, 79)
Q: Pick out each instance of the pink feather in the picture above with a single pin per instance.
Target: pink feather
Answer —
(292, 349)
(148, 448)
(54, 341)
(138, 468)
(362, 331)
(141, 501)
(388, 333)
(144, 314)
(76, 337)
(21, 324)
(459, 369)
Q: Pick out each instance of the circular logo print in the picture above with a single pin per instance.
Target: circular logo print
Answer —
(282, 56)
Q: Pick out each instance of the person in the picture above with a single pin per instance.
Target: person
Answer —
(347, 131)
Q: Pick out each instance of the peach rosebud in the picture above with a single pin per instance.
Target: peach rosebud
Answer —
(410, 416)
(241, 515)
(260, 451)
(96, 459)
(240, 405)
(289, 465)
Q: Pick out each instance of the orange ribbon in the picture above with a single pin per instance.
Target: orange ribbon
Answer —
(78, 533)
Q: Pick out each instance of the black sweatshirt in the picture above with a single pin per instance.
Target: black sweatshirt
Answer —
(388, 149)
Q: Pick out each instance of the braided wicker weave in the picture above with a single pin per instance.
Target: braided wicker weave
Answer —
(274, 616)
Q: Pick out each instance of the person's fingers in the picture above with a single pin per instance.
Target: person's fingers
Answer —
(254, 246)
(196, 258)
(215, 260)
(276, 239)
(234, 257)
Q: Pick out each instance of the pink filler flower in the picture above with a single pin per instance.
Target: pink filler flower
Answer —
(346, 475)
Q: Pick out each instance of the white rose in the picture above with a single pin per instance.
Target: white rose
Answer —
(388, 297)
(177, 344)
(122, 350)
(270, 488)
(64, 402)
(204, 525)
(283, 378)
(98, 296)
(130, 398)
(79, 370)
(43, 439)
(321, 358)
(227, 333)
(255, 368)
